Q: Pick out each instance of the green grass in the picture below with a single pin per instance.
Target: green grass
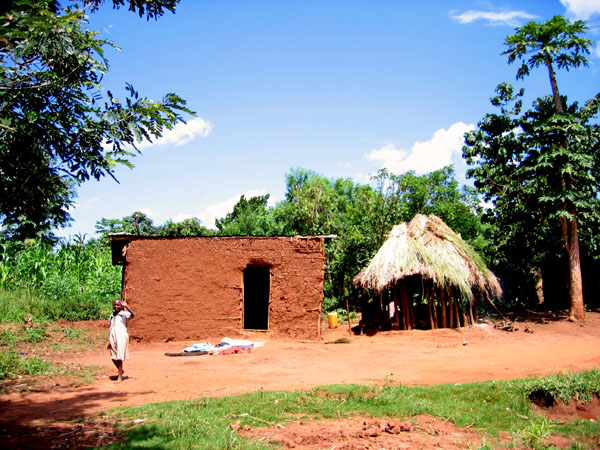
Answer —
(13, 365)
(19, 347)
(46, 307)
(487, 407)
(564, 386)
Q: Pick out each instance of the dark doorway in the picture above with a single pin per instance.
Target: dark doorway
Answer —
(257, 285)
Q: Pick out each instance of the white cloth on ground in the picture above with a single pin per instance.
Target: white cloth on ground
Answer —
(200, 347)
(241, 343)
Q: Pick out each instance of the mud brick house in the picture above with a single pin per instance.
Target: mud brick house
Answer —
(191, 288)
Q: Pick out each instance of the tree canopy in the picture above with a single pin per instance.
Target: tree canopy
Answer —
(539, 167)
(58, 127)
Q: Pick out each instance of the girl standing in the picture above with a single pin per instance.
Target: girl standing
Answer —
(118, 337)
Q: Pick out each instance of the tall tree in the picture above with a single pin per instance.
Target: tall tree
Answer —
(405, 195)
(250, 217)
(557, 42)
(137, 223)
(58, 128)
(517, 160)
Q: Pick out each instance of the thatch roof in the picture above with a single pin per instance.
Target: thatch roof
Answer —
(428, 247)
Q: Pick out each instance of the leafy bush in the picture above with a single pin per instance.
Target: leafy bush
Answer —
(329, 304)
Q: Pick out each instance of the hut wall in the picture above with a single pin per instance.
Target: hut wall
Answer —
(193, 288)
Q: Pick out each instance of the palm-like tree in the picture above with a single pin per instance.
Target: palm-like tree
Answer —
(556, 42)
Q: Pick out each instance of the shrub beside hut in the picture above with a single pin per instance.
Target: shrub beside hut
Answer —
(427, 259)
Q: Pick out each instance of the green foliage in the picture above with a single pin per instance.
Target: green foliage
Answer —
(35, 334)
(329, 304)
(139, 223)
(187, 227)
(153, 9)
(58, 127)
(75, 282)
(16, 343)
(556, 41)
(12, 365)
(250, 217)
(535, 433)
(518, 162)
(8, 337)
(540, 168)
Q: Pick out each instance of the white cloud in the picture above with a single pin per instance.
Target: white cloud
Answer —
(363, 178)
(510, 18)
(596, 50)
(150, 213)
(181, 134)
(91, 202)
(581, 9)
(425, 156)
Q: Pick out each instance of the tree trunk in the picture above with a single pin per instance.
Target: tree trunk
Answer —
(571, 242)
(570, 232)
(575, 282)
(555, 94)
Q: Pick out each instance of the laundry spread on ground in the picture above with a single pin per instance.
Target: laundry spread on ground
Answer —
(227, 346)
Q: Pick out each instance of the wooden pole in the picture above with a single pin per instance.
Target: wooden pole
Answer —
(396, 311)
(456, 315)
(348, 312)
(443, 301)
(450, 309)
(429, 295)
(406, 315)
(435, 315)
(471, 313)
(403, 309)
(411, 311)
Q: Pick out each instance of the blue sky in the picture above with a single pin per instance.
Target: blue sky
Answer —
(340, 87)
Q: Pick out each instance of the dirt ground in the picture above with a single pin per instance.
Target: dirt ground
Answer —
(540, 346)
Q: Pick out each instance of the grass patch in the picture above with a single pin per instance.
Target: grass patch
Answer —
(564, 387)
(13, 365)
(26, 355)
(45, 307)
(488, 407)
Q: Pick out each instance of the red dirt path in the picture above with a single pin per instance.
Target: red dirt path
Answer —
(408, 357)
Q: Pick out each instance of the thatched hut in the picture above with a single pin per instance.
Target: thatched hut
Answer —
(448, 271)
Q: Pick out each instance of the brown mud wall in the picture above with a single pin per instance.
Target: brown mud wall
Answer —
(192, 288)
